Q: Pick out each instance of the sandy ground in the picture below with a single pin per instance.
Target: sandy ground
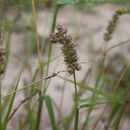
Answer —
(87, 29)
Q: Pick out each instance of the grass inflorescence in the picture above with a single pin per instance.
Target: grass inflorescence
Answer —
(70, 58)
(113, 23)
(70, 54)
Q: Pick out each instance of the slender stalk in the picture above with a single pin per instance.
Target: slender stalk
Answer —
(0, 106)
(52, 30)
(39, 64)
(37, 40)
(39, 112)
(49, 57)
(121, 77)
(20, 104)
(95, 95)
(60, 105)
(57, 6)
(76, 104)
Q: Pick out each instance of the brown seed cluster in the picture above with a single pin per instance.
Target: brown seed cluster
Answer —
(2, 52)
(112, 24)
(2, 59)
(70, 54)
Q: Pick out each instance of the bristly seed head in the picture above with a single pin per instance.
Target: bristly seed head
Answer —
(112, 24)
(70, 54)
(2, 52)
(2, 59)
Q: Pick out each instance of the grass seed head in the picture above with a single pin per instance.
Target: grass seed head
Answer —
(112, 23)
(2, 51)
(70, 54)
(2, 59)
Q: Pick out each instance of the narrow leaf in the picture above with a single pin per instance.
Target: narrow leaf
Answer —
(10, 105)
(50, 111)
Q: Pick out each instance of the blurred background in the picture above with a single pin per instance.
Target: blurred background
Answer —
(87, 23)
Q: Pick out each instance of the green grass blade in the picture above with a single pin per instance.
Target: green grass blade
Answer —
(57, 6)
(50, 111)
(31, 119)
(48, 63)
(100, 70)
(117, 45)
(52, 30)
(114, 110)
(20, 123)
(39, 112)
(88, 88)
(10, 106)
(117, 123)
(95, 94)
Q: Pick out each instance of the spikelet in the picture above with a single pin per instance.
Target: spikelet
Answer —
(2, 52)
(70, 54)
(112, 24)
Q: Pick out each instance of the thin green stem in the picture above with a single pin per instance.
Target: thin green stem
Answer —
(76, 104)
(0, 106)
(39, 112)
(37, 40)
(95, 95)
(50, 45)
(48, 63)
(39, 64)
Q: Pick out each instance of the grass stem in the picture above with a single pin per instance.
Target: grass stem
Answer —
(39, 112)
(0, 106)
(76, 104)
(37, 40)
(48, 63)
(50, 45)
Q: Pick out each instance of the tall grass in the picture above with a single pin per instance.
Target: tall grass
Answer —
(47, 70)
(117, 99)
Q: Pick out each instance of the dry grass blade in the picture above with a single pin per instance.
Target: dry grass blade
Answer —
(117, 45)
(121, 77)
(21, 103)
(37, 40)
(102, 103)
(29, 85)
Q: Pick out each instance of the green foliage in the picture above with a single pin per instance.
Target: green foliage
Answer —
(4, 125)
(50, 111)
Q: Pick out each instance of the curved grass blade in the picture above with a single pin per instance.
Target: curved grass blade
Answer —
(117, 123)
(91, 89)
(97, 87)
(50, 111)
(4, 125)
(117, 45)
(39, 112)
